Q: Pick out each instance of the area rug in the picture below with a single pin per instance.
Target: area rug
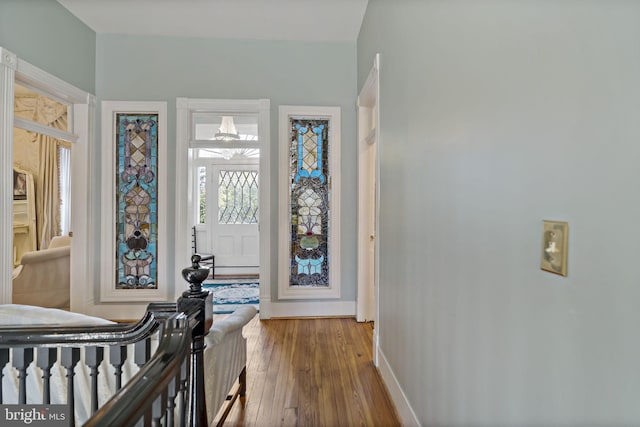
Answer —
(228, 295)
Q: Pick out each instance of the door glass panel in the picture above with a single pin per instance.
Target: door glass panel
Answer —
(238, 197)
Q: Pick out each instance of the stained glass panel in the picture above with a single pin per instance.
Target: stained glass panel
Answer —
(137, 204)
(202, 195)
(309, 195)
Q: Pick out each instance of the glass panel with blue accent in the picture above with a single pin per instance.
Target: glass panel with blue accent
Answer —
(309, 196)
(202, 195)
(137, 201)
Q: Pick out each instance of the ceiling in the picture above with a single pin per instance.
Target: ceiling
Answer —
(305, 20)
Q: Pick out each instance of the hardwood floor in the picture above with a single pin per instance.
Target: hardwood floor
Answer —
(311, 372)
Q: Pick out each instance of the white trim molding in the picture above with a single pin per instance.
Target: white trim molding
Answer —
(83, 222)
(313, 309)
(285, 291)
(30, 126)
(108, 291)
(368, 198)
(8, 64)
(81, 121)
(185, 214)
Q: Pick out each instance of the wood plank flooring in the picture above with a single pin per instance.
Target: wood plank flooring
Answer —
(311, 372)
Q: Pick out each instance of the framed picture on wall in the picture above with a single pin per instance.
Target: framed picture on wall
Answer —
(19, 185)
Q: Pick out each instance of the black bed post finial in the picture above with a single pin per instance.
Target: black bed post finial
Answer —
(197, 299)
(195, 276)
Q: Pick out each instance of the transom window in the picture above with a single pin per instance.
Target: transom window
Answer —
(219, 127)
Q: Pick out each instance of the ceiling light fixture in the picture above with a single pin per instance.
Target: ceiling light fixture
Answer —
(227, 130)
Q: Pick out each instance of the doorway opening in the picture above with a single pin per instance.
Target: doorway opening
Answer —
(227, 209)
(225, 146)
(64, 122)
(368, 197)
(41, 200)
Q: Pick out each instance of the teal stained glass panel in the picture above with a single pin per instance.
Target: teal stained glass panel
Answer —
(137, 201)
(309, 200)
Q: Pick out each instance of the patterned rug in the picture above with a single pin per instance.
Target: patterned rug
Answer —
(231, 294)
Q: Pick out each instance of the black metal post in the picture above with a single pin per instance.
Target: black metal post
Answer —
(197, 299)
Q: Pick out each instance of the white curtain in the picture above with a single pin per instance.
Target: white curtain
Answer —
(47, 194)
(52, 114)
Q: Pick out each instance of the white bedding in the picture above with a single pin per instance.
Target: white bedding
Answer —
(24, 315)
(224, 357)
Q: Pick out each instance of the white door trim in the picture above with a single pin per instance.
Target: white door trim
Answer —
(368, 135)
(184, 184)
(108, 292)
(8, 65)
(14, 69)
(367, 300)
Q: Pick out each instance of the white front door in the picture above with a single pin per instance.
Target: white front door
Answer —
(232, 200)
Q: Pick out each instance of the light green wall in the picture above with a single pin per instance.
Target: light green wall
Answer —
(496, 115)
(291, 73)
(46, 35)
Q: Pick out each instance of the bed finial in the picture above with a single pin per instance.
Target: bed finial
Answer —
(195, 276)
(197, 299)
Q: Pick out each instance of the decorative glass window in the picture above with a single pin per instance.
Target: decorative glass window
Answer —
(202, 194)
(309, 202)
(134, 157)
(309, 235)
(238, 197)
(137, 204)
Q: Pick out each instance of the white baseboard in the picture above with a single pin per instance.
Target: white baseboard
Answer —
(405, 412)
(268, 309)
(311, 309)
(265, 308)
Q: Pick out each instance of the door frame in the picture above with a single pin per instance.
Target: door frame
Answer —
(368, 196)
(14, 69)
(184, 191)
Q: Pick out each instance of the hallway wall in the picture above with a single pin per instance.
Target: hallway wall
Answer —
(288, 73)
(47, 35)
(496, 115)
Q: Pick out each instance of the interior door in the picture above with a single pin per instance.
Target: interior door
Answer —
(368, 169)
(233, 201)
